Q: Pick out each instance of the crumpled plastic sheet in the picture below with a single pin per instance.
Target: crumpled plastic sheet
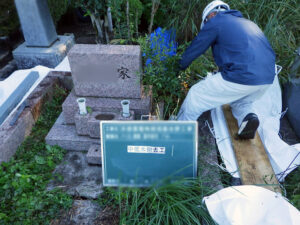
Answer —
(251, 205)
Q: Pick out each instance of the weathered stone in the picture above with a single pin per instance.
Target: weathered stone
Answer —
(79, 178)
(96, 117)
(83, 212)
(66, 137)
(12, 136)
(81, 124)
(37, 25)
(94, 155)
(64, 77)
(106, 70)
(28, 57)
(70, 107)
(41, 94)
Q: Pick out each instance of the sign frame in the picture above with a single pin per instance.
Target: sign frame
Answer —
(195, 169)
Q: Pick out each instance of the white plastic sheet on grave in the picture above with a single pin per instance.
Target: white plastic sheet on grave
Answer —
(283, 157)
(251, 205)
(9, 84)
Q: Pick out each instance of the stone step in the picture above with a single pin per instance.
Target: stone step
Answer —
(89, 124)
(70, 106)
(66, 137)
(94, 155)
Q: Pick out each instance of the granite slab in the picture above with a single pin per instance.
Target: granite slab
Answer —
(28, 57)
(94, 155)
(66, 137)
(70, 107)
(106, 70)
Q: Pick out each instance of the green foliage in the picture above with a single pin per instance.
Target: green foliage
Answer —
(8, 17)
(9, 21)
(97, 7)
(164, 77)
(23, 180)
(119, 15)
(292, 187)
(176, 203)
(58, 8)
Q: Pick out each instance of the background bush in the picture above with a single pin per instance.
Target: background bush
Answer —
(9, 21)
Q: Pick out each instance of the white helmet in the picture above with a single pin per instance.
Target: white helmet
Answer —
(214, 6)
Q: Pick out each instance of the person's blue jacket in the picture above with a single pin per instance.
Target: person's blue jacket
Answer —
(240, 49)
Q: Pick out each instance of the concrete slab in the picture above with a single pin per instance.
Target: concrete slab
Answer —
(79, 178)
(94, 155)
(12, 136)
(70, 107)
(28, 57)
(106, 70)
(66, 137)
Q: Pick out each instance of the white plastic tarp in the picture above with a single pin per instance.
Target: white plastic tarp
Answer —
(251, 205)
(8, 85)
(283, 157)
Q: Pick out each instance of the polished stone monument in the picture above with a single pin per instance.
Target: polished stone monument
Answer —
(104, 76)
(42, 45)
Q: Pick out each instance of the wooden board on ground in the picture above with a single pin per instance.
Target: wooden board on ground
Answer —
(253, 162)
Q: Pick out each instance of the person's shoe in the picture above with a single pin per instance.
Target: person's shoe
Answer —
(249, 126)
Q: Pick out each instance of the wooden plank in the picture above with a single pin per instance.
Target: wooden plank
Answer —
(254, 165)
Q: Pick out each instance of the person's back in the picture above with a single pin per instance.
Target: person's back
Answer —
(241, 50)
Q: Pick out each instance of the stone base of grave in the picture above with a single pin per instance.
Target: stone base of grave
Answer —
(28, 57)
(140, 106)
(65, 136)
(94, 155)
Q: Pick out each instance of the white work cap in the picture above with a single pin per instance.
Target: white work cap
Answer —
(214, 6)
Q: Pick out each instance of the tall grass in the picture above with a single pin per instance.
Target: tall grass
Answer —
(177, 204)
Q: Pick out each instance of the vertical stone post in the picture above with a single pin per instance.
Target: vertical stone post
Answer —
(36, 22)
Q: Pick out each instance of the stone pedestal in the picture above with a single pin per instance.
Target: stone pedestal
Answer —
(36, 22)
(28, 57)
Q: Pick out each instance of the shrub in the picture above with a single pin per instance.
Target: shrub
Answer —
(9, 21)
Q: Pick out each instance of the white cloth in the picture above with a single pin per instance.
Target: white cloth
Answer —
(250, 205)
(283, 157)
(214, 91)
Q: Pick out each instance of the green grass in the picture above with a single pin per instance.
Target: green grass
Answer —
(176, 203)
(23, 180)
(292, 187)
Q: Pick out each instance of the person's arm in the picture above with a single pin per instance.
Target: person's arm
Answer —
(199, 45)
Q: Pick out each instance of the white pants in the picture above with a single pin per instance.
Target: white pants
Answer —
(214, 91)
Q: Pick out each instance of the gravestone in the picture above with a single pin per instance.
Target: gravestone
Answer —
(106, 70)
(42, 45)
(104, 75)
